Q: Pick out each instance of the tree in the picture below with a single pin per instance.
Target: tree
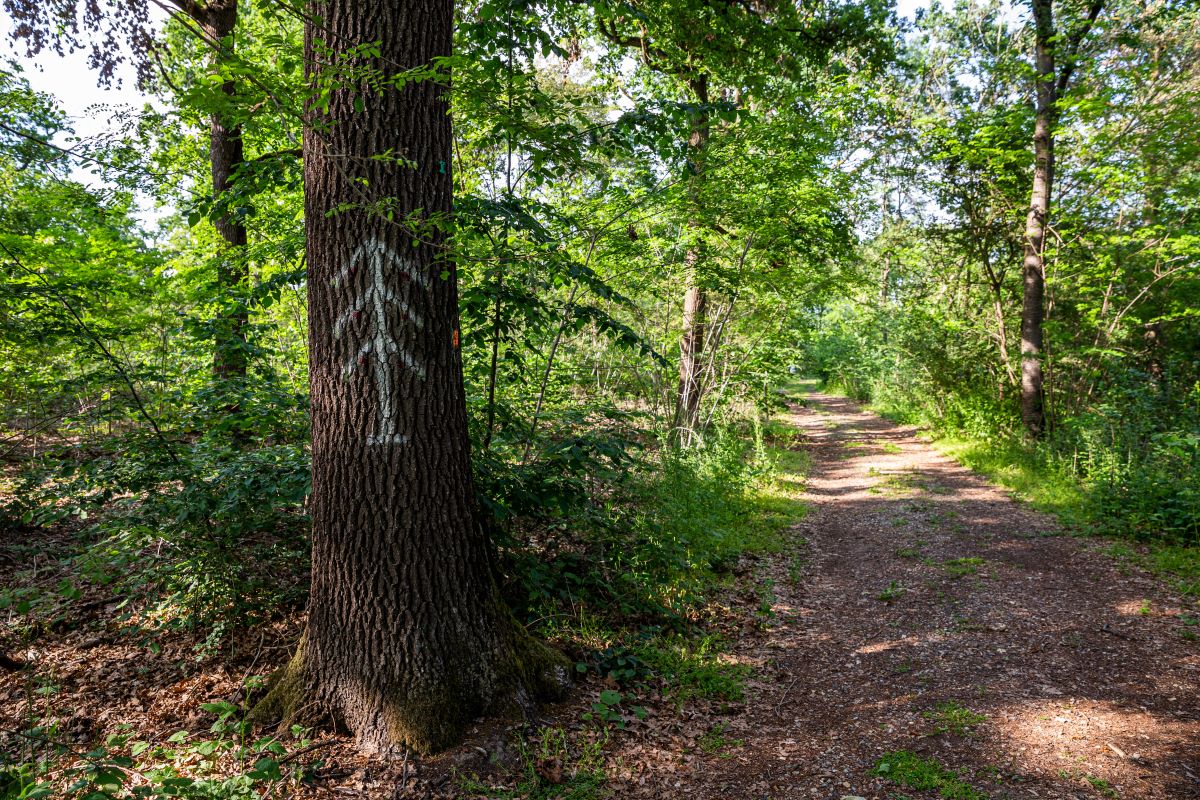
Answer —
(218, 22)
(408, 638)
(731, 52)
(113, 29)
(1055, 59)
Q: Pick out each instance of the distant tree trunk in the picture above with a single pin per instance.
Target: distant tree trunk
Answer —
(1002, 342)
(407, 637)
(885, 288)
(1036, 222)
(1052, 81)
(995, 281)
(218, 19)
(695, 301)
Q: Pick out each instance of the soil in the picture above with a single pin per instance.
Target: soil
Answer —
(1077, 661)
(912, 584)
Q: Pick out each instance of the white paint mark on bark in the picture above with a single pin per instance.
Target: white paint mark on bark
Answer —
(380, 347)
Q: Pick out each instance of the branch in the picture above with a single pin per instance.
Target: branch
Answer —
(137, 398)
(1070, 57)
(292, 152)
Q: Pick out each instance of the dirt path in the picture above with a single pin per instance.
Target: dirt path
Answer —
(925, 586)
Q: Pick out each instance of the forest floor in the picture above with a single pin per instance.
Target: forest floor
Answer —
(935, 615)
(922, 635)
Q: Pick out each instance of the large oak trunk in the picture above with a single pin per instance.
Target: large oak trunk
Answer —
(407, 637)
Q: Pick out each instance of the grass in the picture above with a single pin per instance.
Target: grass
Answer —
(895, 483)
(797, 563)
(715, 742)
(924, 774)
(1179, 564)
(694, 669)
(552, 767)
(953, 718)
(1056, 492)
(1013, 466)
(962, 567)
(893, 591)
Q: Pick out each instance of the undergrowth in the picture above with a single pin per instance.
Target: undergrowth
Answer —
(924, 774)
(610, 548)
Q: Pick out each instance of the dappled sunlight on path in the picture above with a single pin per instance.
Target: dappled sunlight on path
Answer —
(936, 615)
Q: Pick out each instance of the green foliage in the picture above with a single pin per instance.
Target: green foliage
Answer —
(715, 742)
(694, 669)
(953, 718)
(618, 663)
(846, 213)
(608, 709)
(182, 766)
(199, 543)
(553, 766)
(649, 543)
(962, 567)
(893, 591)
(923, 774)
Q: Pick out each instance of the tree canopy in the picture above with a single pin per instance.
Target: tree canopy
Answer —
(495, 301)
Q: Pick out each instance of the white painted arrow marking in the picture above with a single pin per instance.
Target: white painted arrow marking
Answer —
(380, 344)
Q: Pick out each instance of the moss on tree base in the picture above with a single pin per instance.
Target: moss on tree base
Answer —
(529, 671)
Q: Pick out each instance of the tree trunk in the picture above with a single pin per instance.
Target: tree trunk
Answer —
(1036, 222)
(407, 638)
(691, 344)
(1002, 341)
(218, 19)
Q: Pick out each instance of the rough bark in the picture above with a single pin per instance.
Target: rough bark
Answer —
(1036, 222)
(407, 637)
(1052, 82)
(218, 20)
(691, 343)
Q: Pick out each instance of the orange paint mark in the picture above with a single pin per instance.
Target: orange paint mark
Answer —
(454, 338)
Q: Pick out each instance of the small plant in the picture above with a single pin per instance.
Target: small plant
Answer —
(909, 552)
(714, 740)
(1144, 608)
(914, 772)
(617, 663)
(953, 718)
(961, 567)
(766, 600)
(693, 669)
(551, 766)
(607, 709)
(893, 591)
(1102, 786)
(797, 563)
(184, 765)
(895, 483)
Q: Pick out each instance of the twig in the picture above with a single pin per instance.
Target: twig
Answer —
(786, 691)
(306, 750)
(1105, 629)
